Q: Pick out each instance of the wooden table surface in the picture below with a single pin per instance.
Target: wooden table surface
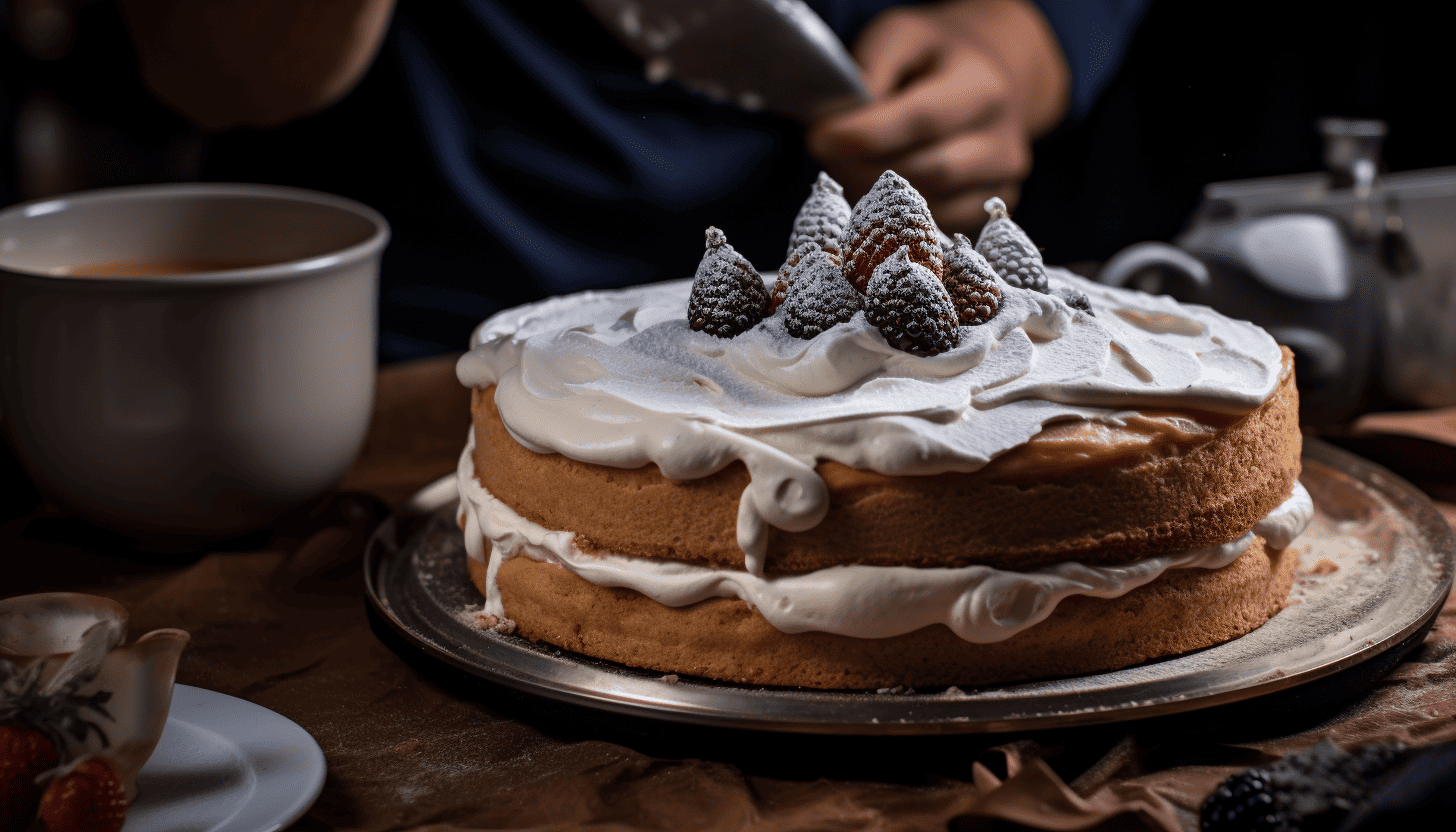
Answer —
(279, 619)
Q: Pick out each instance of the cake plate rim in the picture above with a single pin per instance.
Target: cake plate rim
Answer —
(404, 600)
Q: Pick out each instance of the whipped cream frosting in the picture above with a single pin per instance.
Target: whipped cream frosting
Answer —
(978, 603)
(617, 378)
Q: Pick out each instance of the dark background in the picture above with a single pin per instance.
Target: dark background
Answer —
(1211, 92)
(1206, 92)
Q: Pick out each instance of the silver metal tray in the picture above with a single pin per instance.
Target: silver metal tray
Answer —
(1392, 553)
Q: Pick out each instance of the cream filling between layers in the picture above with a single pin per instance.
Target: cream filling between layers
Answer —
(978, 603)
(618, 379)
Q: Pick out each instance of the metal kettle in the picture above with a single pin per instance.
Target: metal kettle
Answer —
(1331, 264)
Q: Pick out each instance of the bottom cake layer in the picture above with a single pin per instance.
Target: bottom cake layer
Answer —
(725, 639)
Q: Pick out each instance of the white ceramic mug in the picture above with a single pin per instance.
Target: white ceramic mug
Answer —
(199, 403)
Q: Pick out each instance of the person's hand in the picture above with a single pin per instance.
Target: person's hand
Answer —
(253, 63)
(959, 90)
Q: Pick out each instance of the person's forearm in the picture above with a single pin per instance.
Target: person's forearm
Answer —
(254, 63)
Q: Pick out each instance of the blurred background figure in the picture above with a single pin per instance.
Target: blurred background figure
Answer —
(519, 150)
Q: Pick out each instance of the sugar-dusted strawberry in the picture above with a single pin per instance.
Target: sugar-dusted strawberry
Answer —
(1010, 252)
(893, 215)
(819, 226)
(971, 282)
(88, 798)
(910, 307)
(25, 754)
(780, 291)
(822, 218)
(728, 296)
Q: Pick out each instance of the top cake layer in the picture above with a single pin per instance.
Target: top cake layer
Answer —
(620, 379)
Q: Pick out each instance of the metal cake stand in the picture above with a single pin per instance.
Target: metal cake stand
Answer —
(1392, 553)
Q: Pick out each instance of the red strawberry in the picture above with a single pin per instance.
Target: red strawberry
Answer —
(24, 755)
(89, 798)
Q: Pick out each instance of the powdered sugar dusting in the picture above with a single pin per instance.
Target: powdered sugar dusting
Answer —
(1335, 557)
(823, 217)
(1010, 251)
(972, 284)
(910, 307)
(893, 215)
(728, 295)
(818, 297)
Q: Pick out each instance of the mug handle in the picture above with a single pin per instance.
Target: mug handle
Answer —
(1137, 258)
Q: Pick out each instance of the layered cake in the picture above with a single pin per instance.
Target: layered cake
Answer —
(903, 459)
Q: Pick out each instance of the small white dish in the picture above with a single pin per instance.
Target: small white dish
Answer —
(226, 765)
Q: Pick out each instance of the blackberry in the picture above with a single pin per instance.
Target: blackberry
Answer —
(971, 283)
(819, 297)
(1243, 802)
(728, 296)
(1309, 791)
(893, 215)
(910, 307)
(1010, 251)
(1075, 299)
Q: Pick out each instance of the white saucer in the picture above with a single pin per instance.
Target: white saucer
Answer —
(226, 765)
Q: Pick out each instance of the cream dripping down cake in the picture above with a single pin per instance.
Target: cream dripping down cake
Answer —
(904, 459)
